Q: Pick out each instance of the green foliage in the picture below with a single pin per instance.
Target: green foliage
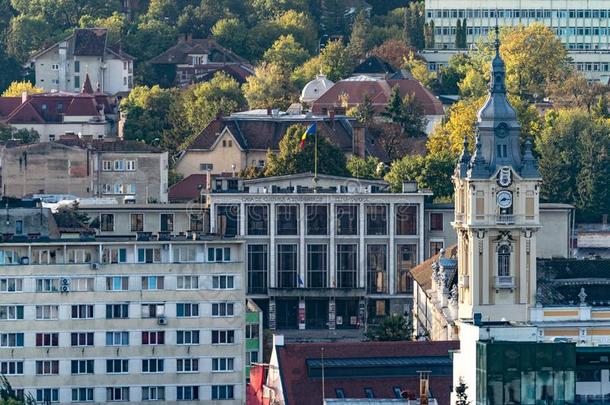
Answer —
(269, 87)
(292, 159)
(360, 42)
(232, 33)
(364, 111)
(286, 53)
(460, 393)
(26, 35)
(365, 168)
(8, 396)
(335, 61)
(392, 328)
(413, 28)
(26, 136)
(407, 112)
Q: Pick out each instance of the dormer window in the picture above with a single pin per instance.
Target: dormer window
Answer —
(199, 59)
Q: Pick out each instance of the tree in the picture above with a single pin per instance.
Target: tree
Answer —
(392, 328)
(601, 109)
(269, 87)
(365, 168)
(286, 53)
(460, 393)
(16, 89)
(301, 26)
(9, 396)
(198, 105)
(334, 61)
(199, 20)
(390, 138)
(364, 111)
(25, 35)
(458, 34)
(413, 26)
(232, 33)
(359, 42)
(116, 24)
(393, 51)
(419, 70)
(11, 70)
(429, 39)
(291, 159)
(407, 112)
(576, 91)
(26, 136)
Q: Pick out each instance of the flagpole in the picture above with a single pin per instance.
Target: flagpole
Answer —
(315, 163)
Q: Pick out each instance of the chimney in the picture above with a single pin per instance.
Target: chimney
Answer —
(189, 37)
(358, 136)
(24, 97)
(278, 340)
(269, 111)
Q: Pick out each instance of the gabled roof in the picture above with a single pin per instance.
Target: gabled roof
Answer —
(354, 366)
(178, 54)
(422, 273)
(379, 91)
(376, 65)
(187, 189)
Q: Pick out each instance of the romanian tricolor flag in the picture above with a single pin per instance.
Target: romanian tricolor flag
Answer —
(311, 130)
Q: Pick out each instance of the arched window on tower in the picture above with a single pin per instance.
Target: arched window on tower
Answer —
(504, 261)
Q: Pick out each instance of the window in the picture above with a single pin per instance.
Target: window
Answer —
(187, 365)
(117, 366)
(167, 222)
(117, 311)
(222, 364)
(76, 66)
(130, 165)
(340, 392)
(117, 283)
(77, 82)
(252, 331)
(223, 282)
(187, 393)
(81, 284)
(117, 338)
(185, 254)
(114, 255)
(107, 222)
(106, 165)
(369, 393)
(153, 338)
(82, 394)
(435, 248)
(406, 259)
(185, 310)
(119, 165)
(11, 340)
(153, 393)
(504, 261)
(82, 311)
(82, 366)
(9, 257)
(221, 309)
(206, 166)
(317, 219)
(11, 312)
(54, 66)
(46, 312)
(196, 222)
(187, 282)
(218, 254)
(47, 339)
(47, 284)
(347, 266)
(149, 255)
(47, 367)
(222, 392)
(79, 256)
(11, 285)
(223, 337)
(258, 219)
(376, 269)
(317, 266)
(406, 219)
(287, 219)
(47, 395)
(11, 367)
(137, 222)
(376, 220)
(251, 357)
(152, 282)
(436, 221)
(347, 220)
(187, 337)
(257, 269)
(227, 220)
(153, 365)
(116, 394)
(81, 338)
(130, 189)
(18, 227)
(153, 310)
(287, 259)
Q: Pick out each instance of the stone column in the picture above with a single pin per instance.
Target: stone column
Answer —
(302, 247)
(331, 249)
(272, 247)
(361, 247)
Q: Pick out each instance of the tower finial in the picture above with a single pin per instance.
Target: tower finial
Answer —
(497, 29)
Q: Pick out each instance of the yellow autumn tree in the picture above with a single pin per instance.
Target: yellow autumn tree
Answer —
(16, 89)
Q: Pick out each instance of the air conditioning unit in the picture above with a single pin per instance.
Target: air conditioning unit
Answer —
(95, 266)
(162, 320)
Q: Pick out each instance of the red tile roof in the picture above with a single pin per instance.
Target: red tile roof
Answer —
(178, 54)
(379, 93)
(187, 188)
(301, 389)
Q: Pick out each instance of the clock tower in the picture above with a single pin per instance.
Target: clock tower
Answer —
(496, 212)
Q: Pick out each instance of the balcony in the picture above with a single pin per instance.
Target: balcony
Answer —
(505, 282)
(505, 219)
(463, 281)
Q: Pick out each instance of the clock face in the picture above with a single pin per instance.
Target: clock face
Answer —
(504, 199)
(502, 130)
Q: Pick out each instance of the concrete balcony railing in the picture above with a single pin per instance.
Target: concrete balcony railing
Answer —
(505, 219)
(507, 282)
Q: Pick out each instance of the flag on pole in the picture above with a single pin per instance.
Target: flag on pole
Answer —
(311, 130)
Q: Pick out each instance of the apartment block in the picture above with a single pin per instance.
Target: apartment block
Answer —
(108, 319)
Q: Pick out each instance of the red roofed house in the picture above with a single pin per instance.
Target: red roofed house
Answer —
(88, 113)
(379, 91)
(381, 370)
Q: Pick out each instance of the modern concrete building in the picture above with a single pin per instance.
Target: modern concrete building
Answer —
(582, 25)
(63, 66)
(336, 257)
(96, 168)
(109, 319)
